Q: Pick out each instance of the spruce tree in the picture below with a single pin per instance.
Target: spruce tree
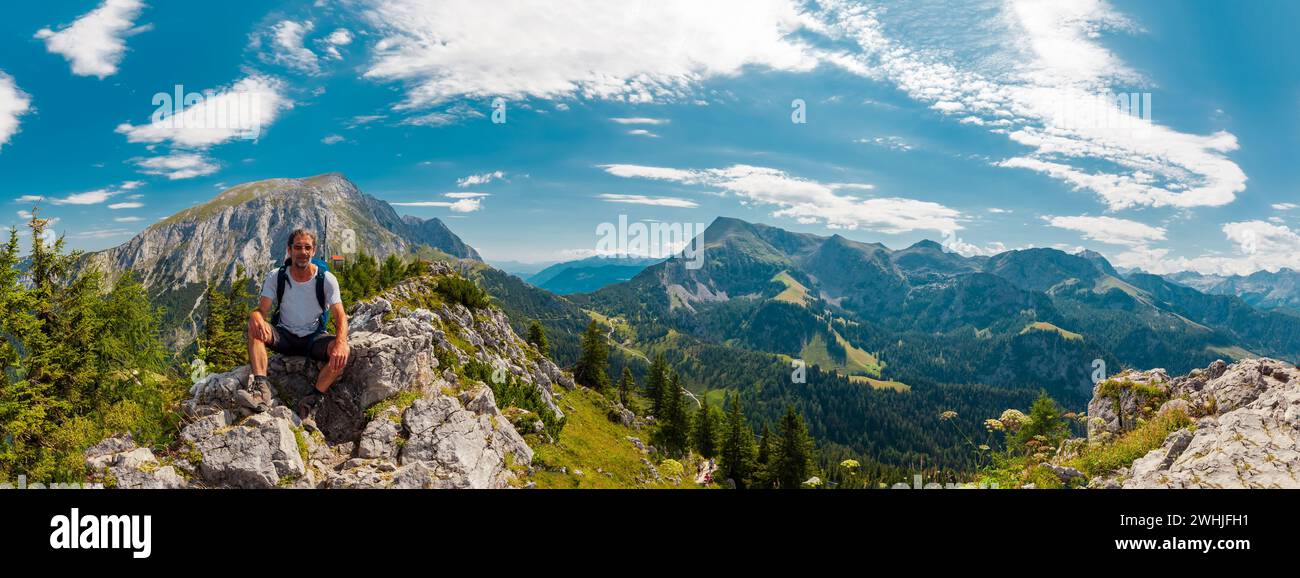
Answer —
(537, 337)
(626, 384)
(736, 461)
(794, 452)
(656, 385)
(763, 460)
(593, 364)
(675, 428)
(708, 429)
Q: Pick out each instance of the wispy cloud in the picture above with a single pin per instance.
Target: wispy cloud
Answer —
(482, 179)
(95, 42)
(1110, 229)
(450, 49)
(178, 166)
(644, 200)
(640, 120)
(127, 205)
(808, 201)
(465, 202)
(642, 132)
(286, 40)
(95, 197)
(332, 139)
(1047, 63)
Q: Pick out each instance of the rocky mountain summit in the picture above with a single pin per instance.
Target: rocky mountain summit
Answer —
(1243, 432)
(412, 409)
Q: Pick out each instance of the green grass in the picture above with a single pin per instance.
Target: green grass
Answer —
(856, 361)
(794, 291)
(1045, 326)
(1103, 459)
(401, 400)
(590, 441)
(880, 383)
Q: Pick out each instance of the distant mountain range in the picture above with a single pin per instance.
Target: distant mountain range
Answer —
(1260, 289)
(590, 274)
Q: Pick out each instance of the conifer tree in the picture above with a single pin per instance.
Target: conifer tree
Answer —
(656, 385)
(593, 364)
(794, 453)
(626, 384)
(705, 434)
(737, 461)
(537, 337)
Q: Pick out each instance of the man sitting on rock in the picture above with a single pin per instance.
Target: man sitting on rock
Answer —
(299, 292)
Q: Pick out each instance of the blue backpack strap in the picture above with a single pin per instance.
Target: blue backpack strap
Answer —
(320, 299)
(281, 279)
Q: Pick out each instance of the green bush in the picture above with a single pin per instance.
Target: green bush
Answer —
(463, 291)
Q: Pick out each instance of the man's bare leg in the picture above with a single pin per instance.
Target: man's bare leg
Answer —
(257, 354)
(327, 377)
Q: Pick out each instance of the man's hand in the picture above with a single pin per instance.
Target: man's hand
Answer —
(339, 351)
(259, 329)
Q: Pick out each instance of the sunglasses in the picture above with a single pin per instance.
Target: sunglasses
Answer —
(303, 247)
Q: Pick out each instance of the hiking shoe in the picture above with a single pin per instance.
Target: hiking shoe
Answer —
(307, 409)
(255, 394)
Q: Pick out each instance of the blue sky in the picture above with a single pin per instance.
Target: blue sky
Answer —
(964, 122)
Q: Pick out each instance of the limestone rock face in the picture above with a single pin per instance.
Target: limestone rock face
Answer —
(1246, 433)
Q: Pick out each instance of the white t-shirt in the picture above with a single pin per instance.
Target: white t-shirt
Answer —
(301, 311)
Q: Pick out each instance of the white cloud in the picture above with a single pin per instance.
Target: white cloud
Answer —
(644, 200)
(453, 115)
(483, 179)
(998, 211)
(95, 42)
(642, 132)
(1110, 229)
(179, 165)
(128, 219)
(13, 104)
(809, 201)
(119, 206)
(1285, 206)
(286, 38)
(640, 120)
(25, 215)
(332, 139)
(466, 203)
(1032, 71)
(563, 49)
(889, 142)
(241, 110)
(1259, 245)
(337, 38)
(102, 233)
(94, 197)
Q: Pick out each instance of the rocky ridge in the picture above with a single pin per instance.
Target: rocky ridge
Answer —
(404, 414)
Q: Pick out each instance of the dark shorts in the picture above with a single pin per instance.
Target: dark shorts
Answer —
(315, 346)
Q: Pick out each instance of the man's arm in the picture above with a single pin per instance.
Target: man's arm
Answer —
(257, 325)
(339, 349)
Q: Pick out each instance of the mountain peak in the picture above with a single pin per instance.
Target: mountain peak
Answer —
(926, 244)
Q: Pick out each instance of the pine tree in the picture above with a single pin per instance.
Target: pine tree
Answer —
(656, 385)
(214, 339)
(592, 368)
(626, 384)
(794, 452)
(675, 427)
(737, 460)
(537, 337)
(763, 460)
(391, 271)
(705, 438)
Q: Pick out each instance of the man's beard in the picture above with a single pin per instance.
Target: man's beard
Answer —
(302, 263)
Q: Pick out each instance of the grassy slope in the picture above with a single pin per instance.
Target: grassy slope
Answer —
(590, 441)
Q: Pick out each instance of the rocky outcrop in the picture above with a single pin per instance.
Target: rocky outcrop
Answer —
(1246, 430)
(403, 414)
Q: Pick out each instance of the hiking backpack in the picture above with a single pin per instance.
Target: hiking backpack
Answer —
(282, 279)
